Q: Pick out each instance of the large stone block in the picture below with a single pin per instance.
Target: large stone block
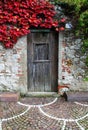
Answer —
(9, 97)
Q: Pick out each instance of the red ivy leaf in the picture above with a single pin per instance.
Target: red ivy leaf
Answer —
(18, 16)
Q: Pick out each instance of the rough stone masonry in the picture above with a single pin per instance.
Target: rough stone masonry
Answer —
(71, 66)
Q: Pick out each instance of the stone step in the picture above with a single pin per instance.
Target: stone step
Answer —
(76, 96)
(41, 94)
(9, 97)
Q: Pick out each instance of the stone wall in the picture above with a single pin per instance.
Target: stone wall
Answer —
(13, 67)
(72, 62)
(71, 66)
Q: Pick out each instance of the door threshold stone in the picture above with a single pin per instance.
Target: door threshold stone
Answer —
(42, 94)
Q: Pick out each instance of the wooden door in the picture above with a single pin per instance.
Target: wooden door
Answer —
(42, 61)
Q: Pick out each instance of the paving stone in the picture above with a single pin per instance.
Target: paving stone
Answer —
(11, 109)
(66, 110)
(71, 126)
(34, 119)
(84, 123)
(36, 101)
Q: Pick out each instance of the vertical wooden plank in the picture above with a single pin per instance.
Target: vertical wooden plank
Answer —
(39, 77)
(47, 79)
(54, 61)
(30, 62)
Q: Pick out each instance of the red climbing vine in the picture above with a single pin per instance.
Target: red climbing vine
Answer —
(18, 16)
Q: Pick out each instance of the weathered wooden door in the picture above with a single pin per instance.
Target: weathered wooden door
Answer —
(42, 61)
